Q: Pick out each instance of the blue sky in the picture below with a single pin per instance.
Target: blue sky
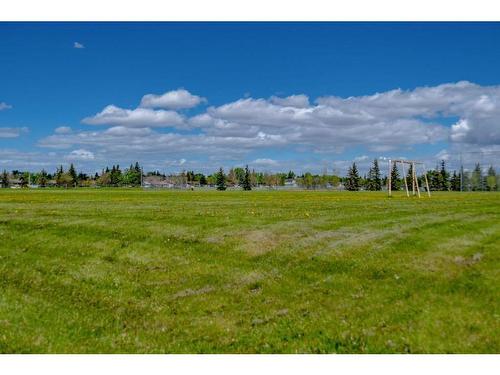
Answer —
(232, 76)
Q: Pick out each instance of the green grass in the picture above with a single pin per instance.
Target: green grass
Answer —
(128, 271)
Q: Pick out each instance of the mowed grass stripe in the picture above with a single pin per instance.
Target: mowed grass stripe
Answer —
(162, 271)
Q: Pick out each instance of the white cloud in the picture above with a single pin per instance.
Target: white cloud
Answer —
(443, 155)
(15, 159)
(4, 106)
(383, 121)
(177, 99)
(139, 118)
(361, 158)
(297, 101)
(63, 130)
(78, 45)
(80, 155)
(321, 127)
(478, 108)
(123, 140)
(12, 132)
(393, 121)
(264, 162)
(175, 163)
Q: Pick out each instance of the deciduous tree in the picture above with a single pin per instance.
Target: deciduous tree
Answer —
(491, 179)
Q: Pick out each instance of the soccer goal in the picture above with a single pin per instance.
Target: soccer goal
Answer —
(412, 164)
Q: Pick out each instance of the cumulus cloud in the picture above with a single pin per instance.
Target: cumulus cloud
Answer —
(139, 117)
(80, 155)
(264, 162)
(15, 159)
(361, 158)
(396, 120)
(12, 132)
(383, 121)
(78, 45)
(120, 140)
(175, 163)
(63, 130)
(477, 107)
(321, 127)
(4, 106)
(297, 101)
(177, 99)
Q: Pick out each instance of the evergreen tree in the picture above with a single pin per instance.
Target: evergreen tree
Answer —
(409, 175)
(72, 175)
(395, 180)
(246, 180)
(376, 175)
(374, 182)
(435, 179)
(4, 180)
(444, 177)
(455, 182)
(353, 179)
(220, 180)
(112, 174)
(138, 174)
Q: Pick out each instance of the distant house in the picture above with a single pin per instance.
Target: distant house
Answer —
(157, 182)
(291, 183)
(15, 183)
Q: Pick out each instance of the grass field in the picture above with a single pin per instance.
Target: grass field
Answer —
(230, 272)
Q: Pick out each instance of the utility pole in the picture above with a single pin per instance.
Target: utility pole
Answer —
(142, 172)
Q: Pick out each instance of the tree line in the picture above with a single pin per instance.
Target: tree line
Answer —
(112, 177)
(440, 179)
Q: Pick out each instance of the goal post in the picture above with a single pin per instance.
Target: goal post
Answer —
(414, 176)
